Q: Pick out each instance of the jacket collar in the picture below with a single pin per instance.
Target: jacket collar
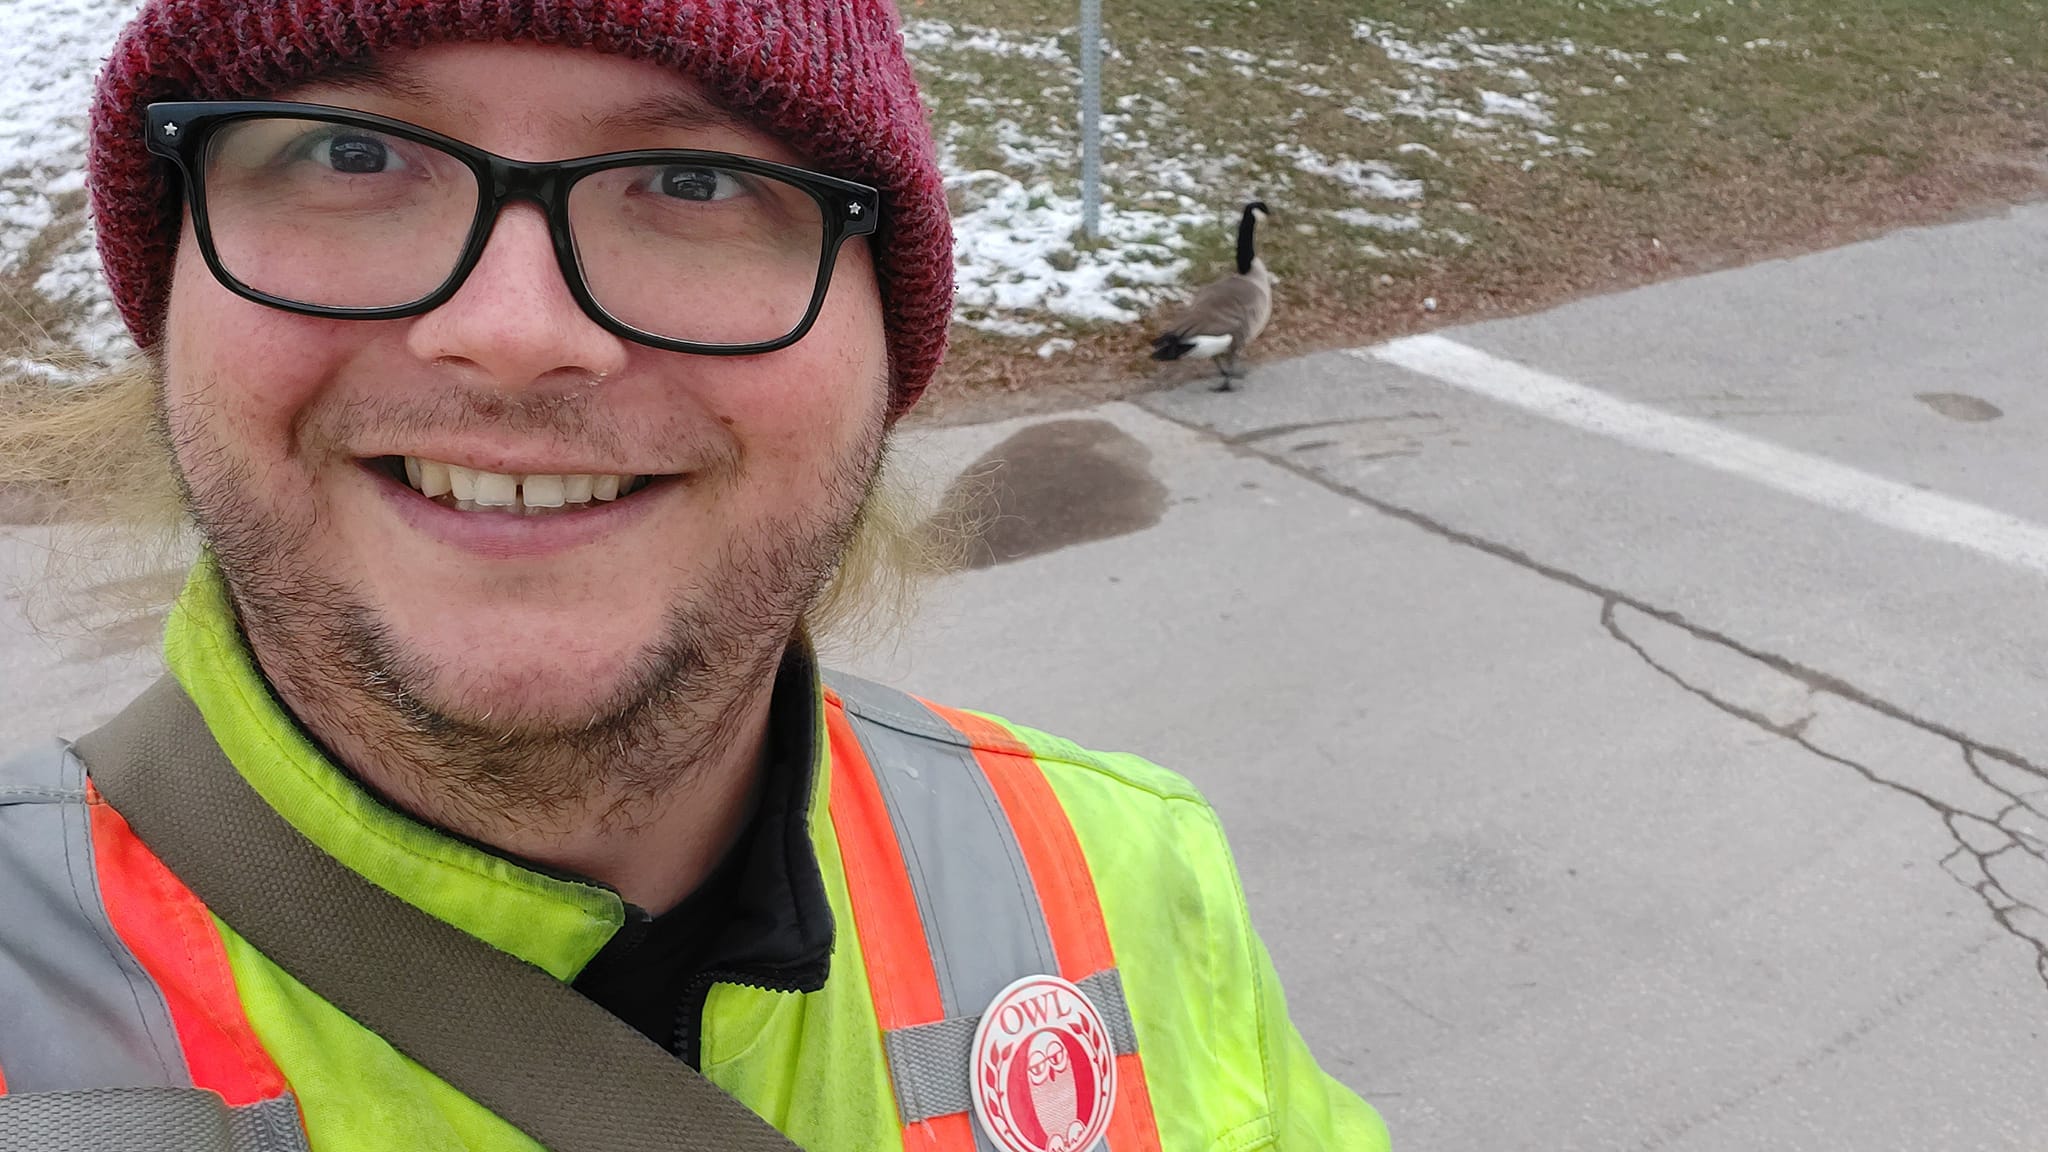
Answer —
(554, 922)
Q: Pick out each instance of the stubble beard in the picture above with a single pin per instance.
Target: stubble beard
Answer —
(353, 683)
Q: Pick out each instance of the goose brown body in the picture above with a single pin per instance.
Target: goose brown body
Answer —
(1227, 315)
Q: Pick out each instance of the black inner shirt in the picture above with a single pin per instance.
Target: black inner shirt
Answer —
(760, 918)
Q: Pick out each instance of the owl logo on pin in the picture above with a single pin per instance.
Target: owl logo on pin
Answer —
(1044, 1068)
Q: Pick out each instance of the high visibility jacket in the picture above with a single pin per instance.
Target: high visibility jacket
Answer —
(959, 853)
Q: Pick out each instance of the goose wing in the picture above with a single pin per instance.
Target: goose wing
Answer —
(1235, 306)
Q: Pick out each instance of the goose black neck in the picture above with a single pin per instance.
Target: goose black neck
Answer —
(1244, 239)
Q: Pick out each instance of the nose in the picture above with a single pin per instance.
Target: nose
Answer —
(513, 320)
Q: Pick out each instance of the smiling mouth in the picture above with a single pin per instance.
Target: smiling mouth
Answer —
(471, 490)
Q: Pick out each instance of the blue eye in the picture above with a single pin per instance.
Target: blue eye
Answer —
(355, 154)
(683, 182)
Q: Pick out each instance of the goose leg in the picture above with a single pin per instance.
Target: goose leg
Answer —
(1224, 364)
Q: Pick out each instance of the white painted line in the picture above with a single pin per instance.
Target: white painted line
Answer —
(1824, 482)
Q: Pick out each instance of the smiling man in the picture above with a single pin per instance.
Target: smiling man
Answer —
(526, 371)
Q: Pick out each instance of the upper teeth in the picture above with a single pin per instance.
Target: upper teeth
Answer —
(472, 487)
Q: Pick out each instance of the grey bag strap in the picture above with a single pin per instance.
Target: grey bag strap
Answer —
(501, 1031)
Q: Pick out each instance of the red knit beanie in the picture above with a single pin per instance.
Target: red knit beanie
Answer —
(826, 76)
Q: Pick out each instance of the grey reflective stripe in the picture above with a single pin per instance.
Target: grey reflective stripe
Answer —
(76, 1009)
(1106, 990)
(932, 1068)
(980, 911)
(930, 1063)
(147, 1120)
(982, 921)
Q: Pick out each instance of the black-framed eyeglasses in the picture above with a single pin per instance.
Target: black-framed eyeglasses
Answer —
(331, 212)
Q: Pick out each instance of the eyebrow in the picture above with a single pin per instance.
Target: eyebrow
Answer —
(371, 76)
(667, 110)
(671, 110)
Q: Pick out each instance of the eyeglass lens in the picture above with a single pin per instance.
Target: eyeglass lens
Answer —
(335, 215)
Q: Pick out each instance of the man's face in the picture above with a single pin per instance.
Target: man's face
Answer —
(357, 589)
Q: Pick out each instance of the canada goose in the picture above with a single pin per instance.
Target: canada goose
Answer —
(1228, 314)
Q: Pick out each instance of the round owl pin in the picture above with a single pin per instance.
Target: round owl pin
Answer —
(1044, 1068)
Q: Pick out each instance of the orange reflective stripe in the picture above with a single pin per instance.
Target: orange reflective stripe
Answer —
(172, 936)
(901, 981)
(1066, 892)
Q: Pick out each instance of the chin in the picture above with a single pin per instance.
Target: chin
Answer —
(527, 669)
(529, 691)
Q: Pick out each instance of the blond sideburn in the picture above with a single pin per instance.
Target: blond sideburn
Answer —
(93, 461)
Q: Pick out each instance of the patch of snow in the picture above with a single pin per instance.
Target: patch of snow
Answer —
(1525, 107)
(50, 52)
(933, 37)
(1378, 222)
(1021, 149)
(1016, 259)
(1429, 104)
(1378, 180)
(26, 368)
(1434, 57)
(1054, 347)
(1001, 325)
(1511, 109)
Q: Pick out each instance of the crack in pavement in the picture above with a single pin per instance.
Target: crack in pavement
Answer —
(1670, 1131)
(2013, 912)
(1834, 685)
(1274, 431)
(2024, 920)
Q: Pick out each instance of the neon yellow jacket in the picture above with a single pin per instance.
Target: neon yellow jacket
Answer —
(1223, 1065)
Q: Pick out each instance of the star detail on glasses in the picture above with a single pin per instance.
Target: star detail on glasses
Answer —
(853, 208)
(171, 129)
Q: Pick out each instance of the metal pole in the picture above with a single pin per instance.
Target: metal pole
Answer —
(1091, 117)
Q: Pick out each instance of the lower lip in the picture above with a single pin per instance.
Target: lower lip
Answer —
(510, 536)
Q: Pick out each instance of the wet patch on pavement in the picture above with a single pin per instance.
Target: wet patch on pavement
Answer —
(1960, 406)
(1051, 486)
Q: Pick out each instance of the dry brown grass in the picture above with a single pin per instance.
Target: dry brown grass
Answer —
(1883, 114)
(1604, 249)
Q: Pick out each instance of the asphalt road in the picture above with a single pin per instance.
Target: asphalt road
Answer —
(1629, 718)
